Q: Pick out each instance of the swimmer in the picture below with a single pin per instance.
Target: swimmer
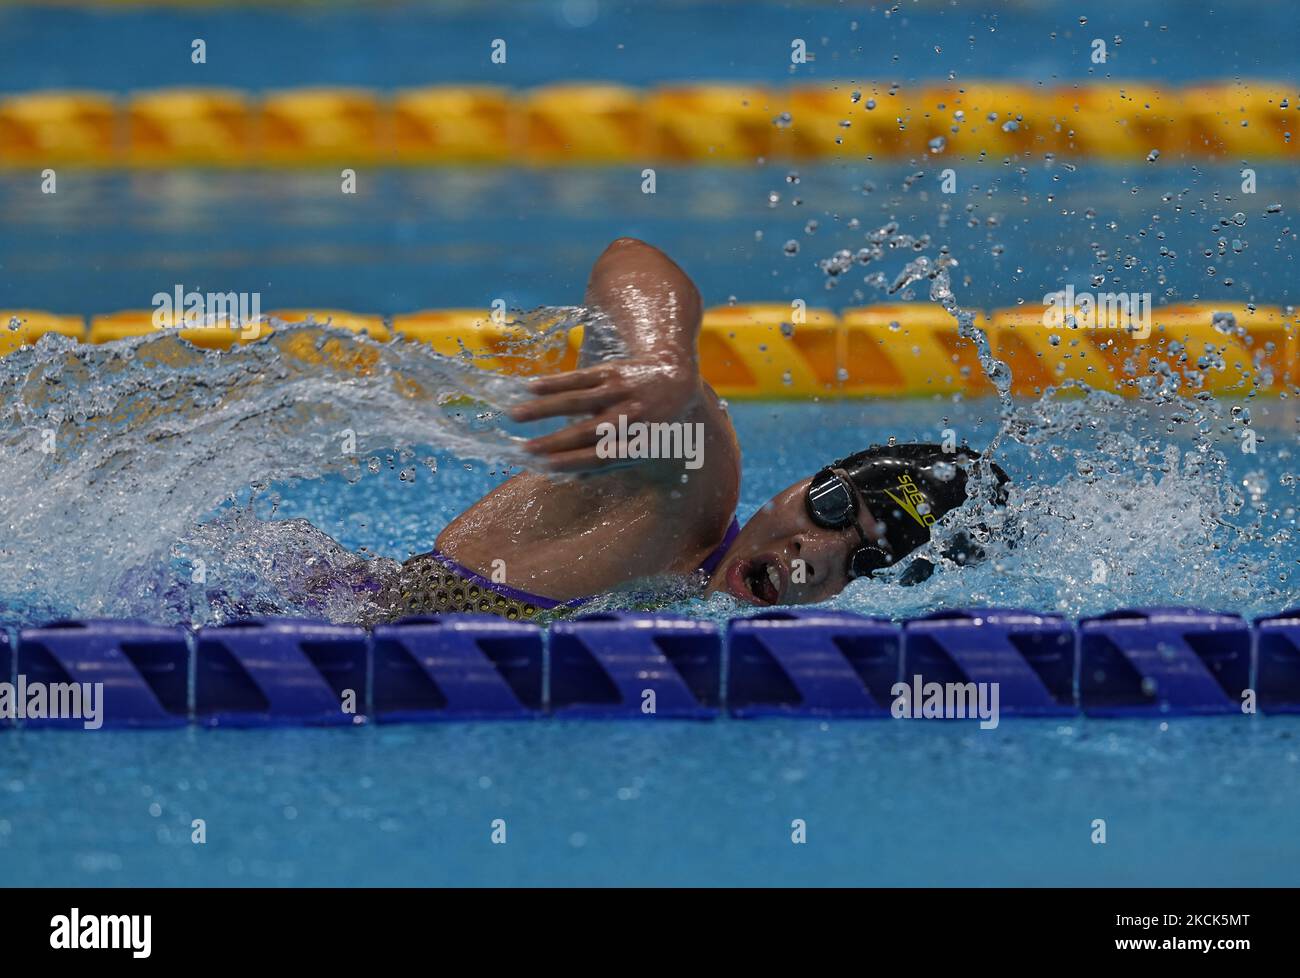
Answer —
(538, 545)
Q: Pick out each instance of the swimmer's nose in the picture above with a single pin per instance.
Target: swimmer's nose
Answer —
(800, 544)
(825, 549)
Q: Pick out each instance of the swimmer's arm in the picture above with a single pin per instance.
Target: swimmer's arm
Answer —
(653, 304)
(656, 310)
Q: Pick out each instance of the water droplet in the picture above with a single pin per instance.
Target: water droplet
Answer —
(943, 471)
(1224, 322)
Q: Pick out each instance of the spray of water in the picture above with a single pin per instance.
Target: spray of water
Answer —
(126, 470)
(115, 455)
(1116, 501)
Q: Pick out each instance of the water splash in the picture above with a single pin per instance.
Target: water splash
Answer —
(126, 472)
(1115, 501)
(114, 455)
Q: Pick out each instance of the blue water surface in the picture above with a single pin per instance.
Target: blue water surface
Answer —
(405, 44)
(1186, 802)
(456, 237)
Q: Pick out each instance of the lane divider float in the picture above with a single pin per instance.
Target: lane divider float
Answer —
(1144, 662)
(593, 123)
(773, 350)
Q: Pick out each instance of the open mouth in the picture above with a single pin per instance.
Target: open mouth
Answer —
(759, 580)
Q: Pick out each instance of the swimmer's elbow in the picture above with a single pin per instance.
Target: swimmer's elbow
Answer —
(637, 254)
(624, 253)
(631, 257)
(626, 244)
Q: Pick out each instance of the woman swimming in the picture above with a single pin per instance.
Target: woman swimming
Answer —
(537, 544)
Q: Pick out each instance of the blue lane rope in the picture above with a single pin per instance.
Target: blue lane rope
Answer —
(1150, 662)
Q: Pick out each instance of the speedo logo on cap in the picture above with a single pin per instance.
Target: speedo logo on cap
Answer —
(911, 499)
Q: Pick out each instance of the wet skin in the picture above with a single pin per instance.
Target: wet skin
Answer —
(782, 557)
(566, 538)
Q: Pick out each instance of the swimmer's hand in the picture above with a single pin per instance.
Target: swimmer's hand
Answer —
(645, 389)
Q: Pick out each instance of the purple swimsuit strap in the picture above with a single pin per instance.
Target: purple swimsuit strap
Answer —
(712, 561)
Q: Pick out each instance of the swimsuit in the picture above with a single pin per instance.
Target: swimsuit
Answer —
(433, 583)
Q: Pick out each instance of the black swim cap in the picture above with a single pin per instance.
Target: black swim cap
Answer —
(910, 487)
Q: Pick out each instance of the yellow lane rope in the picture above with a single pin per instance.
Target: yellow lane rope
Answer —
(782, 350)
(606, 123)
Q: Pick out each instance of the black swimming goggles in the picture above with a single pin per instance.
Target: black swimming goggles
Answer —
(833, 504)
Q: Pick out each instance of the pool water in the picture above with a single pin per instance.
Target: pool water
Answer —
(408, 44)
(1156, 493)
(1115, 503)
(1165, 538)
(1186, 802)
(455, 237)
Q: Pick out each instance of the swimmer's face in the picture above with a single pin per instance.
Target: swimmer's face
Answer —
(782, 557)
